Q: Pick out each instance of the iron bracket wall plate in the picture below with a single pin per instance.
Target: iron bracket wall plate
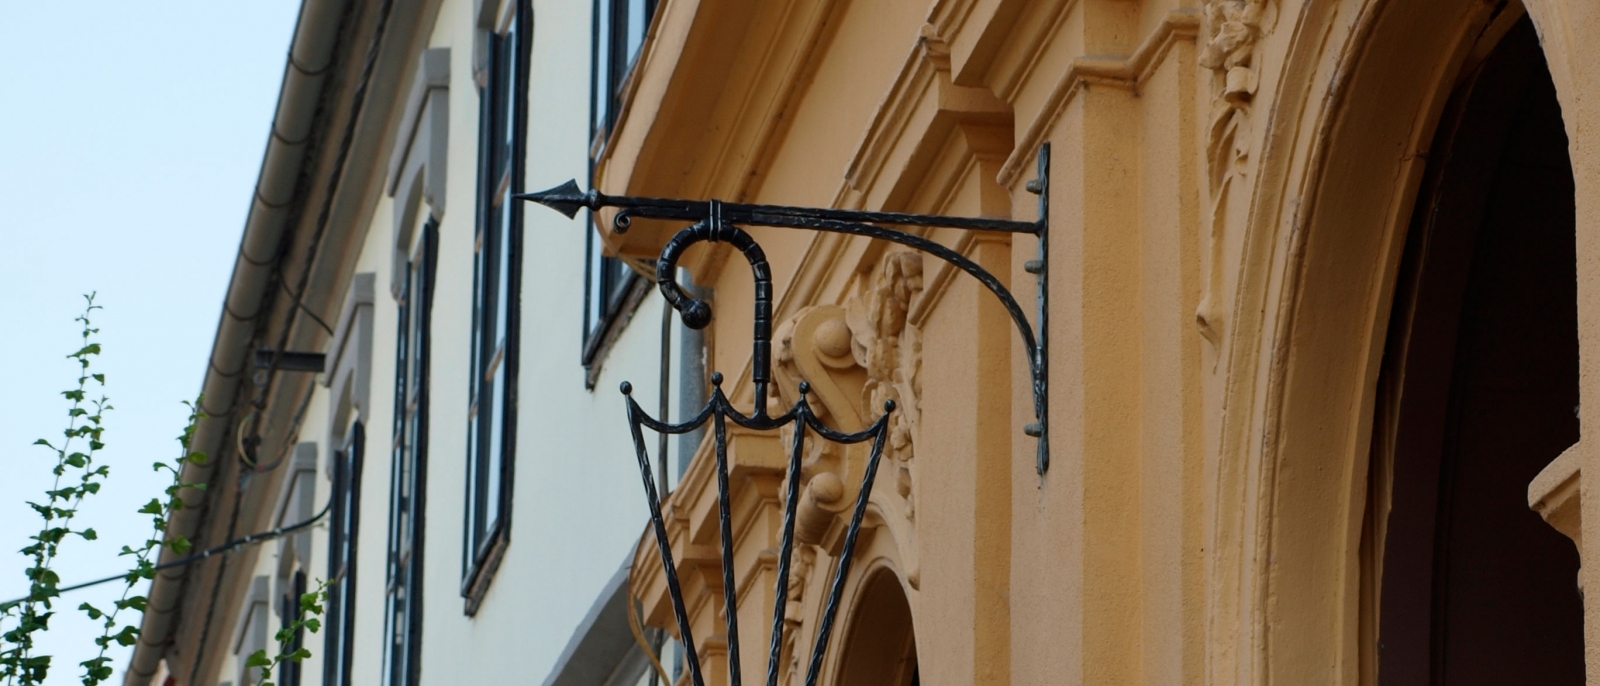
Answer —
(716, 221)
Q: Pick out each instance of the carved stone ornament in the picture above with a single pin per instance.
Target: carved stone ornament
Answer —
(854, 357)
(857, 357)
(805, 559)
(890, 347)
(1233, 29)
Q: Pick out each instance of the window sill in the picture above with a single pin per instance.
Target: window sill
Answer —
(607, 332)
(476, 583)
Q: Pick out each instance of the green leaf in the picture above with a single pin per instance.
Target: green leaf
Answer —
(179, 544)
(257, 659)
(99, 377)
(314, 624)
(300, 654)
(97, 674)
(88, 534)
(153, 507)
(128, 636)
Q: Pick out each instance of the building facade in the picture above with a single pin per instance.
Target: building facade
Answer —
(409, 364)
(1320, 306)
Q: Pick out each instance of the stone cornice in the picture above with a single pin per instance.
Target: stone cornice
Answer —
(713, 84)
(1122, 72)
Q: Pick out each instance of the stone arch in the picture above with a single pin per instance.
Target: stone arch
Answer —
(1351, 94)
(1475, 399)
(879, 646)
(879, 562)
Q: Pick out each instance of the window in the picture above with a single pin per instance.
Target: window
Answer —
(252, 633)
(289, 609)
(408, 482)
(619, 31)
(491, 416)
(343, 524)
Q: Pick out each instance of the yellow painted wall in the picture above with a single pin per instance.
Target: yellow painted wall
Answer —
(1226, 223)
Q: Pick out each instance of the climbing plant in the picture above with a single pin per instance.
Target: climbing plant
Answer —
(77, 475)
(307, 616)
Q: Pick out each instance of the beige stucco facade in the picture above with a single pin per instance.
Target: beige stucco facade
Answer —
(1231, 189)
(1234, 208)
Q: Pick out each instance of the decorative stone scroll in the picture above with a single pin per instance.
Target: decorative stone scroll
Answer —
(854, 358)
(1233, 30)
(890, 348)
(857, 357)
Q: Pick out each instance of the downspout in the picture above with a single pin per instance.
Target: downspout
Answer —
(311, 55)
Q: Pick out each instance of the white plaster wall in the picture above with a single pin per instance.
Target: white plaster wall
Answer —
(374, 511)
(578, 506)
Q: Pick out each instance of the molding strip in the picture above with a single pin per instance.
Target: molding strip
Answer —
(1122, 72)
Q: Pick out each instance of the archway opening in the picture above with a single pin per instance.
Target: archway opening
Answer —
(881, 646)
(1478, 393)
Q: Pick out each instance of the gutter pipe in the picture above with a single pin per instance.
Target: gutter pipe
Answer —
(311, 58)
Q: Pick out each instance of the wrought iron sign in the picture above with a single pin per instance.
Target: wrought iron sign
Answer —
(716, 221)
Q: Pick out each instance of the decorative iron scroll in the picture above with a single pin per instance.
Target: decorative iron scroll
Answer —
(717, 221)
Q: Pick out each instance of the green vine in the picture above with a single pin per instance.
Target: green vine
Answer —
(76, 477)
(289, 649)
(98, 668)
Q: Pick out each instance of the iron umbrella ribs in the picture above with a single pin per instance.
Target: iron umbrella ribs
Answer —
(716, 221)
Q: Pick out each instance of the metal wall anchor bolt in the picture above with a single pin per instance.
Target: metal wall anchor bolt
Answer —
(1034, 429)
(1033, 266)
(1034, 186)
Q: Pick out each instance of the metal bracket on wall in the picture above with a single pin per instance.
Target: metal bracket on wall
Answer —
(714, 221)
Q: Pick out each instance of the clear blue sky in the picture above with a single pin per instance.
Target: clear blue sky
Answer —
(131, 135)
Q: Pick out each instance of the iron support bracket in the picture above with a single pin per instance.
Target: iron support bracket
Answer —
(717, 221)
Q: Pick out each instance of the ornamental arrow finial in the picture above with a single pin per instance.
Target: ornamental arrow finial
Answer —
(566, 198)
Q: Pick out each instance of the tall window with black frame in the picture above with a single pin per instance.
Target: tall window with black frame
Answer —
(409, 478)
(491, 414)
(619, 30)
(343, 524)
(288, 610)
